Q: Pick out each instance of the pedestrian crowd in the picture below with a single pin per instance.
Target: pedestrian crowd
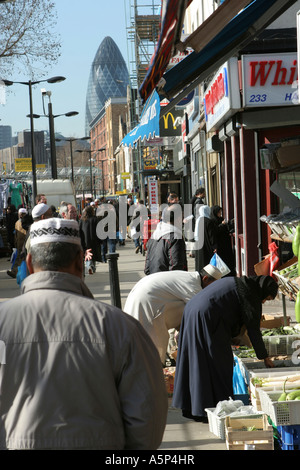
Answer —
(77, 373)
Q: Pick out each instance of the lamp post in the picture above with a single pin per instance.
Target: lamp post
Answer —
(109, 173)
(51, 118)
(71, 140)
(91, 171)
(33, 157)
(102, 161)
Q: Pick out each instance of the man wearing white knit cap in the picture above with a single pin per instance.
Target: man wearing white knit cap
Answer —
(158, 301)
(79, 374)
(41, 211)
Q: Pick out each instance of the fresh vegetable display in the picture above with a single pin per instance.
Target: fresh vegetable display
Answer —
(296, 243)
(295, 248)
(297, 308)
(293, 395)
(293, 382)
(280, 331)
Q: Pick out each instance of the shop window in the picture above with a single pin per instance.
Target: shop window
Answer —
(290, 181)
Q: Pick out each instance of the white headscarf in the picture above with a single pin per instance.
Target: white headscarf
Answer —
(204, 211)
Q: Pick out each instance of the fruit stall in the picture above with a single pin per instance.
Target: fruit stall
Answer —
(264, 411)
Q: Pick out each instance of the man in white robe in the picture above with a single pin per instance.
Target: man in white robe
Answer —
(158, 301)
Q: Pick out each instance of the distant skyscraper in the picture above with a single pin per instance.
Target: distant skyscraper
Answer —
(108, 78)
(5, 137)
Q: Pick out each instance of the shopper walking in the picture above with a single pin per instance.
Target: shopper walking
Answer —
(223, 239)
(139, 217)
(166, 247)
(20, 236)
(205, 237)
(107, 227)
(11, 219)
(89, 238)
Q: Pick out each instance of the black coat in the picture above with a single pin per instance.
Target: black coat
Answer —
(204, 364)
(89, 239)
(223, 239)
(204, 254)
(165, 254)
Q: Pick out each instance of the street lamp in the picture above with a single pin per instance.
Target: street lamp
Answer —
(91, 171)
(109, 173)
(102, 169)
(51, 117)
(71, 140)
(33, 157)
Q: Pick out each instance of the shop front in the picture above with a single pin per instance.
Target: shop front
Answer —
(261, 146)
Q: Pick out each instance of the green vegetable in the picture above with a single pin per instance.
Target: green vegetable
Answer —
(296, 241)
(293, 395)
(297, 308)
(283, 396)
(281, 331)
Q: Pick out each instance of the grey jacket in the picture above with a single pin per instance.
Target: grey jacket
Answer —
(78, 373)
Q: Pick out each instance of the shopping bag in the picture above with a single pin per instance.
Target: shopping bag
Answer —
(22, 272)
(219, 263)
(262, 268)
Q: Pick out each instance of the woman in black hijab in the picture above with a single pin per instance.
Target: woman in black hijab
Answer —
(223, 239)
(204, 365)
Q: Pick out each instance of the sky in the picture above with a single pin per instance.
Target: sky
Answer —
(82, 26)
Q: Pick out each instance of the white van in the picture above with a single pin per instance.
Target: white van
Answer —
(56, 191)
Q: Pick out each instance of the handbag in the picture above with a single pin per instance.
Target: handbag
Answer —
(22, 272)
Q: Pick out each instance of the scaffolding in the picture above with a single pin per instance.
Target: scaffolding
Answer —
(143, 34)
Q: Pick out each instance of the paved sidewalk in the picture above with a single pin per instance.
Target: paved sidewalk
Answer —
(180, 433)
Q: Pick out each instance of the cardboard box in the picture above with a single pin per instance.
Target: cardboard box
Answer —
(274, 321)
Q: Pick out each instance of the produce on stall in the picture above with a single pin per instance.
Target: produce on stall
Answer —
(295, 248)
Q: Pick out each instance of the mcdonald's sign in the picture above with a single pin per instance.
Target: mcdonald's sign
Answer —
(167, 126)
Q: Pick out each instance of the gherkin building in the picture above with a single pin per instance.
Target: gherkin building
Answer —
(108, 78)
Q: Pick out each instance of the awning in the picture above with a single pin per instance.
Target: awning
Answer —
(196, 67)
(148, 126)
(170, 34)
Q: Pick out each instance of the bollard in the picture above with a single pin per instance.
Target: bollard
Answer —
(114, 279)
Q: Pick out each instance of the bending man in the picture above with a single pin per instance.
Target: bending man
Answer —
(158, 301)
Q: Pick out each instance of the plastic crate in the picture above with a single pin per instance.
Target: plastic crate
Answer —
(282, 413)
(216, 424)
(238, 435)
(280, 373)
(280, 345)
(289, 437)
(249, 366)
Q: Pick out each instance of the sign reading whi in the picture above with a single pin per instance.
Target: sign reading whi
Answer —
(270, 80)
(222, 97)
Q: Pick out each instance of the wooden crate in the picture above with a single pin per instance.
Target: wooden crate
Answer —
(238, 437)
